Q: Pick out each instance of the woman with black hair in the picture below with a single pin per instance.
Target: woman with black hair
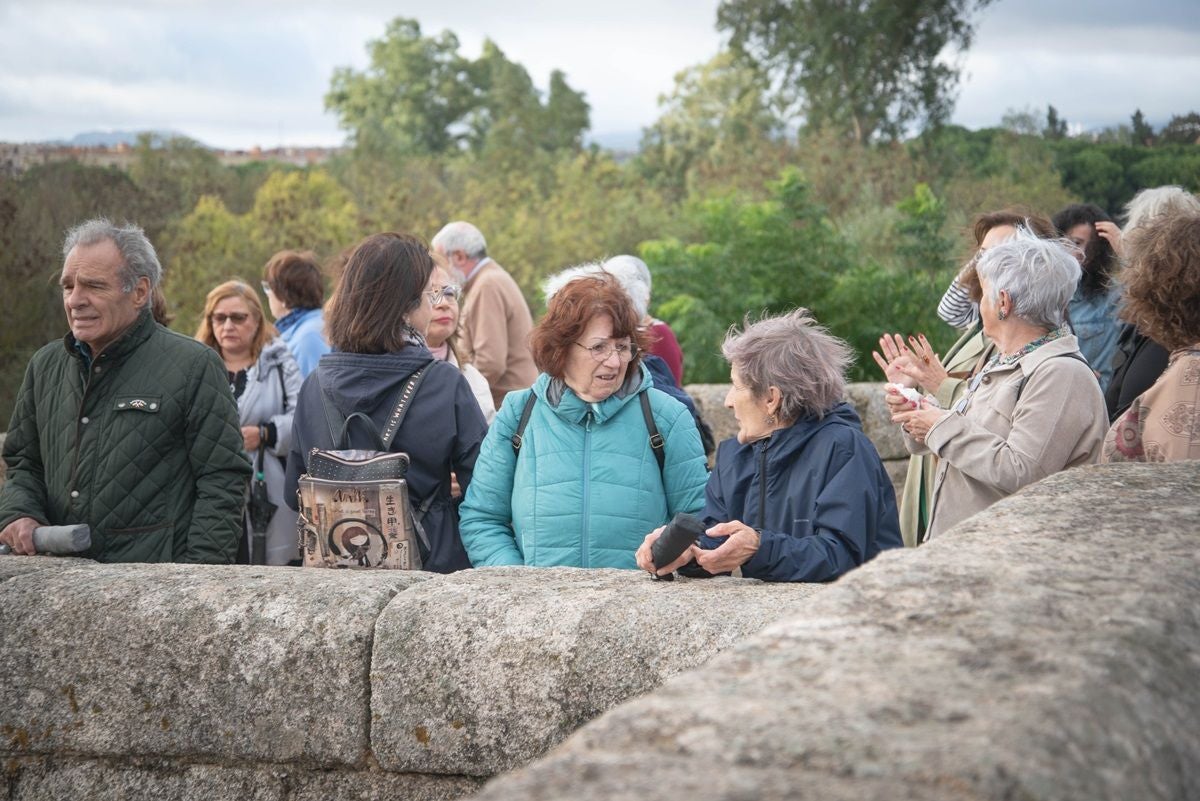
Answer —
(1093, 307)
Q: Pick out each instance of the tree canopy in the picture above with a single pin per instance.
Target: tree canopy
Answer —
(869, 68)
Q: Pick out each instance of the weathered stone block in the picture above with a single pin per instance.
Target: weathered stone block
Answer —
(233, 663)
(11, 566)
(482, 671)
(376, 785)
(1045, 649)
(55, 780)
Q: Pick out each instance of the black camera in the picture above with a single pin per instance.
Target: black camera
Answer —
(680, 533)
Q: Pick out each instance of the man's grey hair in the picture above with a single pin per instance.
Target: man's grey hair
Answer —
(1159, 202)
(140, 260)
(1040, 276)
(797, 355)
(460, 235)
(626, 274)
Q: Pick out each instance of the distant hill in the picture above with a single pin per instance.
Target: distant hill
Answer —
(113, 138)
(617, 141)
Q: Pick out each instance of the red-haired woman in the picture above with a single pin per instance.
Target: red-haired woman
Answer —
(579, 484)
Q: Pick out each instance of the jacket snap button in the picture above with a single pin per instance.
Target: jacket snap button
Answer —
(154, 406)
(74, 493)
(97, 369)
(121, 405)
(987, 379)
(85, 421)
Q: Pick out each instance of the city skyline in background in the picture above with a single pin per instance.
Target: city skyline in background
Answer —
(235, 76)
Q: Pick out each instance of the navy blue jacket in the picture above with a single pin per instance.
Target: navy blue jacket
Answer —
(442, 432)
(816, 492)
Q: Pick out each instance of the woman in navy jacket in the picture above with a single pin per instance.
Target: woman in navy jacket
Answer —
(800, 494)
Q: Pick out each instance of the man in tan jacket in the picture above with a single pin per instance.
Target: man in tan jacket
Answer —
(495, 322)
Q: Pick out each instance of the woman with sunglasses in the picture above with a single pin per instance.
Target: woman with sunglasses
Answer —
(569, 474)
(264, 379)
(441, 336)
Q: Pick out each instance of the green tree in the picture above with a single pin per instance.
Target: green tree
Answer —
(716, 120)
(1056, 127)
(413, 96)
(1182, 129)
(1143, 133)
(753, 256)
(870, 68)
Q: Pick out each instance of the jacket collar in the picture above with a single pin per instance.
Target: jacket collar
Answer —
(574, 409)
(1030, 361)
(121, 347)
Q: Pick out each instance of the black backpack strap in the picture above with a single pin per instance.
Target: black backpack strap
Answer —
(335, 421)
(656, 441)
(1025, 379)
(401, 408)
(282, 386)
(519, 434)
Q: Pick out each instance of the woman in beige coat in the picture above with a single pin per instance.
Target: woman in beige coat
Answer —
(946, 378)
(1033, 409)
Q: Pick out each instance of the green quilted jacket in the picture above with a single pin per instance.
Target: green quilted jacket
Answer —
(143, 446)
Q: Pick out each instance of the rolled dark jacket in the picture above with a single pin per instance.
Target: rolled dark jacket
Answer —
(442, 432)
(816, 492)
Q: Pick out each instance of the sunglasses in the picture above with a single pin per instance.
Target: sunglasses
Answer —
(237, 318)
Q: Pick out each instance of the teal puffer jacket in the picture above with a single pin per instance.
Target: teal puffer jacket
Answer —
(586, 489)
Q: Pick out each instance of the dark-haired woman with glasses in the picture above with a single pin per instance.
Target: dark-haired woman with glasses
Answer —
(264, 379)
(441, 336)
(569, 474)
(376, 323)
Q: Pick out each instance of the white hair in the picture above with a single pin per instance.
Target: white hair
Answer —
(1156, 202)
(627, 262)
(460, 235)
(1040, 275)
(626, 274)
(137, 253)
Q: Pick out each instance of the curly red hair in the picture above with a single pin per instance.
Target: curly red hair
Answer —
(570, 311)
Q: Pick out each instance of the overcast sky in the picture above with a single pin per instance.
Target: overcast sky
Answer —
(236, 74)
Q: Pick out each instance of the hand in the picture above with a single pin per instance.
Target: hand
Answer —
(917, 423)
(894, 351)
(1110, 232)
(734, 552)
(925, 366)
(645, 558)
(18, 535)
(896, 402)
(250, 436)
(455, 490)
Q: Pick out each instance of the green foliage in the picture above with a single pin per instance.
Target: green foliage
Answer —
(1142, 133)
(420, 96)
(716, 125)
(307, 210)
(866, 69)
(1182, 129)
(751, 256)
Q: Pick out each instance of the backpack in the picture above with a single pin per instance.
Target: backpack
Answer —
(355, 508)
(657, 444)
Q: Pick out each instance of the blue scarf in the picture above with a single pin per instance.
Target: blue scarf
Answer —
(290, 320)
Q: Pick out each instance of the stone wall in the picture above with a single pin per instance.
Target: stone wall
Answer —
(1045, 649)
(179, 682)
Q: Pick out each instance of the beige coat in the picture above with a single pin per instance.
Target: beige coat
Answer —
(1000, 443)
(494, 331)
(915, 500)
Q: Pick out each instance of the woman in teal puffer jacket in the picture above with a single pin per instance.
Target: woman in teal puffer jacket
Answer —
(583, 486)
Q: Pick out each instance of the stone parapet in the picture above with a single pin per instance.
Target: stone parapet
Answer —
(1044, 649)
(173, 681)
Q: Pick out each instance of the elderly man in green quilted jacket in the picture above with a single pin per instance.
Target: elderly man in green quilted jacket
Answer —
(124, 425)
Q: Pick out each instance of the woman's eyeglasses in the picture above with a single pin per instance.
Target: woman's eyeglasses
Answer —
(237, 318)
(448, 292)
(602, 350)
